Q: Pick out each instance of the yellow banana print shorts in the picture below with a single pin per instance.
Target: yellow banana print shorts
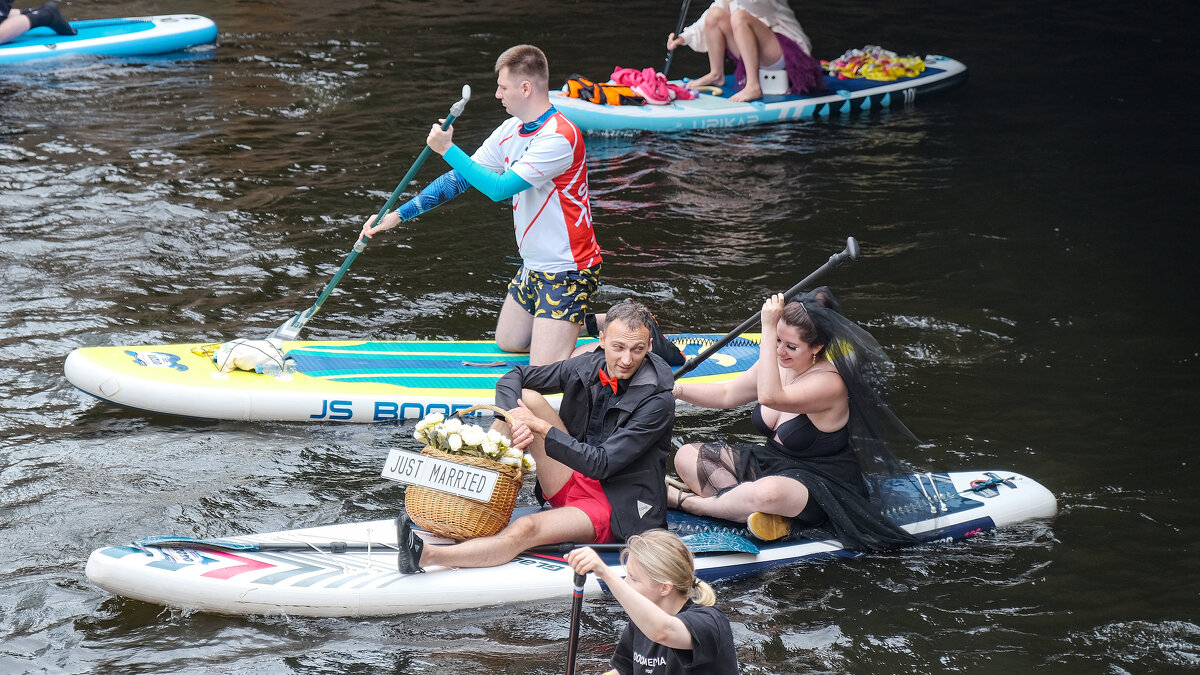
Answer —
(565, 296)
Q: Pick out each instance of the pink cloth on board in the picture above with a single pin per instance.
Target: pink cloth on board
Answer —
(651, 84)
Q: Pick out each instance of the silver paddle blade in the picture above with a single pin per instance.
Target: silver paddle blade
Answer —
(291, 328)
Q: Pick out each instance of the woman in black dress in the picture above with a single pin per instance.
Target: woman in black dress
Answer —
(818, 405)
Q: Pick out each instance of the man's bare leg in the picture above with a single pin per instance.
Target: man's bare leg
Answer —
(514, 328)
(553, 341)
(545, 340)
(552, 474)
(566, 524)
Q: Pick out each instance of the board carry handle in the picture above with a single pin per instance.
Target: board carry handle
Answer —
(483, 406)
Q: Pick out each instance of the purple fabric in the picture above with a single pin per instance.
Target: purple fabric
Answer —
(805, 74)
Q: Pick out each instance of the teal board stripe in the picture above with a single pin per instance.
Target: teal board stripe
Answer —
(458, 365)
(87, 30)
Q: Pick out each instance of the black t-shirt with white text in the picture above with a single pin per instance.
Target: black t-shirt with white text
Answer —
(712, 651)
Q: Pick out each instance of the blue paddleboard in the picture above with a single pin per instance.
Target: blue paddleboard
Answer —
(709, 111)
(136, 36)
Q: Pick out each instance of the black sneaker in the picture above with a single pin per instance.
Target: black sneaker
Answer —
(410, 544)
(589, 324)
(49, 16)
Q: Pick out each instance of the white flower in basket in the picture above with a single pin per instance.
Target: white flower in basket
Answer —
(456, 438)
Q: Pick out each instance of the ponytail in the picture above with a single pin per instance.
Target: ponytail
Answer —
(667, 560)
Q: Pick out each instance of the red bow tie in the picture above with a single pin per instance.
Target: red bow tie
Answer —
(606, 381)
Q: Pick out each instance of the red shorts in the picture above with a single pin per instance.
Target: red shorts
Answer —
(586, 495)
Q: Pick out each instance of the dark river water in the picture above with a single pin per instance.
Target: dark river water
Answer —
(1028, 243)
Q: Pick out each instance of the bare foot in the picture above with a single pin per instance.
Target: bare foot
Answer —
(710, 78)
(750, 93)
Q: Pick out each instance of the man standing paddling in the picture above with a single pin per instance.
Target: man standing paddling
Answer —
(536, 159)
(601, 460)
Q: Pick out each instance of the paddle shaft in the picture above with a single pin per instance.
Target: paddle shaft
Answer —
(338, 546)
(291, 329)
(734, 544)
(850, 252)
(678, 29)
(391, 202)
(576, 614)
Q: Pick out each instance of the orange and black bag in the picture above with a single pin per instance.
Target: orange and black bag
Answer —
(602, 93)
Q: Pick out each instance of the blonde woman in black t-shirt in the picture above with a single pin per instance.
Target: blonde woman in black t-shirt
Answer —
(673, 626)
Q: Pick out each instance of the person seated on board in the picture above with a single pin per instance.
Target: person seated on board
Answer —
(659, 344)
(601, 459)
(536, 160)
(756, 34)
(16, 22)
(672, 620)
(818, 403)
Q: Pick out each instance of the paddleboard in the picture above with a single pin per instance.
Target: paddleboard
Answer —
(347, 381)
(939, 507)
(708, 111)
(134, 36)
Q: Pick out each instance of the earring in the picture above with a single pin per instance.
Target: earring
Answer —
(814, 359)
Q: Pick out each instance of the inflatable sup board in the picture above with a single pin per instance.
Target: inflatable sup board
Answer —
(335, 381)
(135, 36)
(708, 111)
(314, 580)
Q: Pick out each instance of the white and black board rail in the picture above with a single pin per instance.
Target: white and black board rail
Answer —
(364, 581)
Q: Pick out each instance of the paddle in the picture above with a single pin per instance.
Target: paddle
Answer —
(292, 327)
(701, 542)
(851, 252)
(576, 614)
(678, 30)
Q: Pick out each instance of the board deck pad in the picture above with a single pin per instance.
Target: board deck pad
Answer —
(450, 365)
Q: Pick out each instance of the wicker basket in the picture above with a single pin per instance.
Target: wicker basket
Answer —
(458, 517)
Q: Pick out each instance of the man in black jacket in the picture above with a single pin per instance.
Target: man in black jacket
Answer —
(601, 460)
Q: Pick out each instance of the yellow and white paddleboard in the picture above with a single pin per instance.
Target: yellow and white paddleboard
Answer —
(342, 381)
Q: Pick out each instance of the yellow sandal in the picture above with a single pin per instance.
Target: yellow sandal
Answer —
(768, 526)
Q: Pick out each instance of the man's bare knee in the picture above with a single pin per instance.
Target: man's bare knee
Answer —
(512, 343)
(539, 406)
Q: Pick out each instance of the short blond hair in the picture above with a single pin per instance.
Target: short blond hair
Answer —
(526, 62)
